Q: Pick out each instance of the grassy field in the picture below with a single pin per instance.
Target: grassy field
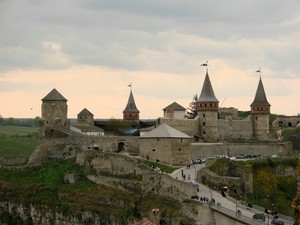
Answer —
(17, 140)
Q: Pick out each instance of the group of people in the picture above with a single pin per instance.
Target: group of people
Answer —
(184, 176)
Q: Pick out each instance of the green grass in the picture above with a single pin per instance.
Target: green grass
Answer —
(163, 167)
(44, 185)
(17, 140)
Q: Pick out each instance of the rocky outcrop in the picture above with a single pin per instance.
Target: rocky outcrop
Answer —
(47, 215)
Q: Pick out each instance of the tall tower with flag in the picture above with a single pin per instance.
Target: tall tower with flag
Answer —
(207, 107)
(260, 110)
(131, 112)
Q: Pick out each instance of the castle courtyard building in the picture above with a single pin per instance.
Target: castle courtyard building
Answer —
(166, 145)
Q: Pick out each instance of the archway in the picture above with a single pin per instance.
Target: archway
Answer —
(121, 146)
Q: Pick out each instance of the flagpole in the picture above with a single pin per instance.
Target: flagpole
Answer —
(130, 85)
(206, 65)
(259, 71)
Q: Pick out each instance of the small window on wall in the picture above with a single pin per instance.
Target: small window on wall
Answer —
(204, 132)
(203, 115)
(179, 149)
(180, 161)
(157, 160)
(203, 124)
(153, 150)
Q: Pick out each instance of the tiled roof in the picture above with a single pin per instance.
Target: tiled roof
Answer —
(175, 106)
(85, 112)
(260, 96)
(54, 95)
(207, 93)
(131, 107)
(165, 131)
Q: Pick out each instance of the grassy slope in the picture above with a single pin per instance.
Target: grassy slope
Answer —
(17, 141)
(44, 185)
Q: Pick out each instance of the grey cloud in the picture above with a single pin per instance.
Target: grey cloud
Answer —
(149, 35)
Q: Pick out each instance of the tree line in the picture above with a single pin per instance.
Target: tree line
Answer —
(26, 122)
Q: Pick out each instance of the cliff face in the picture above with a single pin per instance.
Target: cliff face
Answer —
(18, 213)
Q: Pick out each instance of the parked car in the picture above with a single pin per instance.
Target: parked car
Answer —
(259, 216)
(277, 222)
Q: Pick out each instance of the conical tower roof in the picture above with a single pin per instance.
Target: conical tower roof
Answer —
(131, 107)
(260, 96)
(207, 93)
(54, 95)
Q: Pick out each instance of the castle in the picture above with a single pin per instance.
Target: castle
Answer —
(211, 124)
(216, 124)
(169, 139)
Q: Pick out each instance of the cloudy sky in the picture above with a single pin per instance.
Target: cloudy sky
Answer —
(90, 50)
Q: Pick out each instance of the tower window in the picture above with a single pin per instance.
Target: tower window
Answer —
(204, 132)
(203, 124)
(153, 150)
(203, 115)
(179, 149)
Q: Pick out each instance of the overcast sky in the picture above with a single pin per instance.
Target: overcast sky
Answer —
(90, 50)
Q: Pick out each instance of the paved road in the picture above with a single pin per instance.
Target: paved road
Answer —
(188, 174)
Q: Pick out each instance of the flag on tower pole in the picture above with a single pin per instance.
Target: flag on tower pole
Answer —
(204, 64)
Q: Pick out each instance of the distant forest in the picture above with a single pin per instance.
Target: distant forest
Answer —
(26, 122)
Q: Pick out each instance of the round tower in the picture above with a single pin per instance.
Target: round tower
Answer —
(207, 107)
(260, 110)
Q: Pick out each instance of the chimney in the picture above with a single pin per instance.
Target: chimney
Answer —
(155, 216)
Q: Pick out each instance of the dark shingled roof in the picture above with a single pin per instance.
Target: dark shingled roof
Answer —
(175, 106)
(207, 93)
(54, 95)
(85, 112)
(131, 107)
(260, 96)
(165, 131)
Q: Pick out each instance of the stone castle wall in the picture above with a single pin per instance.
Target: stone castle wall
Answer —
(172, 151)
(69, 147)
(235, 129)
(119, 167)
(204, 150)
